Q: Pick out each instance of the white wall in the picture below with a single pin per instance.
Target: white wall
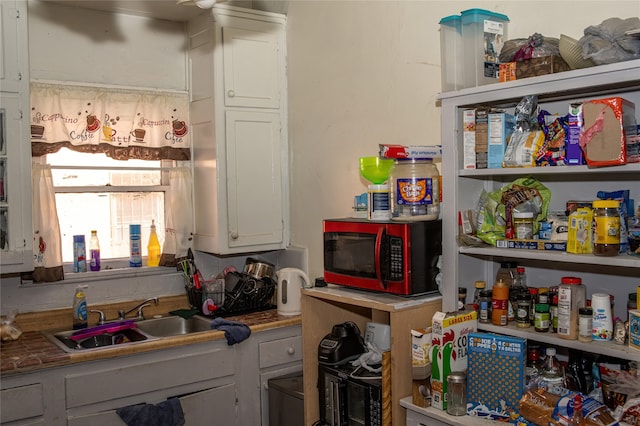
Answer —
(368, 72)
(81, 45)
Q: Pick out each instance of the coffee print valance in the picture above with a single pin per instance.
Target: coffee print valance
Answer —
(123, 124)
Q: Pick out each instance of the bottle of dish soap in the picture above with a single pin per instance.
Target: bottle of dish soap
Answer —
(80, 308)
(153, 247)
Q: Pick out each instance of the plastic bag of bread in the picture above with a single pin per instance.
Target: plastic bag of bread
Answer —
(629, 413)
(9, 330)
(543, 408)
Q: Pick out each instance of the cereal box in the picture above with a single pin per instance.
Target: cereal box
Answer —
(492, 356)
(634, 329)
(449, 334)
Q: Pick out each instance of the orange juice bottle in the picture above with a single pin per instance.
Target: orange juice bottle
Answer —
(500, 303)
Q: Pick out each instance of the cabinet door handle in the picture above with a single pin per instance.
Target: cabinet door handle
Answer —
(291, 350)
(231, 93)
(233, 235)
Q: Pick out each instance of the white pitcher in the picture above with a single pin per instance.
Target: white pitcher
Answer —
(290, 283)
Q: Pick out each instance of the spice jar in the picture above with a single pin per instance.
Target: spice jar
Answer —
(541, 318)
(484, 315)
(415, 189)
(462, 298)
(523, 308)
(457, 393)
(585, 323)
(606, 233)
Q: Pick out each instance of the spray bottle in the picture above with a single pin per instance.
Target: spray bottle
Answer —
(80, 308)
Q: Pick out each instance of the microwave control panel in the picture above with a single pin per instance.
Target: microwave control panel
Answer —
(395, 259)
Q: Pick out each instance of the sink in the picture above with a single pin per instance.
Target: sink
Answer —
(98, 341)
(174, 326)
(127, 333)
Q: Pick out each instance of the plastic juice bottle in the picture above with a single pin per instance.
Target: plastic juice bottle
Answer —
(94, 251)
(153, 247)
(500, 303)
(80, 308)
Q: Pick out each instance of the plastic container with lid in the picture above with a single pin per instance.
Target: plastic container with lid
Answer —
(606, 232)
(483, 35)
(451, 64)
(415, 189)
(572, 296)
(585, 324)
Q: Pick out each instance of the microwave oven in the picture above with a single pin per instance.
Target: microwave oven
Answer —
(349, 397)
(398, 257)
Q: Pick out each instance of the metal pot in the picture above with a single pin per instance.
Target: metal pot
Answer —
(258, 269)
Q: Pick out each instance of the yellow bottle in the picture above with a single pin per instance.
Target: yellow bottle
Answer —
(153, 248)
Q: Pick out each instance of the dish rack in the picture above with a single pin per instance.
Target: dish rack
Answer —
(244, 295)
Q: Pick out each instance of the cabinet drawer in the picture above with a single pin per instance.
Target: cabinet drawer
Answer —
(21, 402)
(280, 351)
(133, 378)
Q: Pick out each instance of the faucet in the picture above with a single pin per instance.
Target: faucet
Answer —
(139, 307)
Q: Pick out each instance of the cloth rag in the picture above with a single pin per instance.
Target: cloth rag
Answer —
(185, 313)
(235, 332)
(166, 413)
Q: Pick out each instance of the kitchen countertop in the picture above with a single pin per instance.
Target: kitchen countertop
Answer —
(34, 351)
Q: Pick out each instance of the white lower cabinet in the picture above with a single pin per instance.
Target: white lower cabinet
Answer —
(216, 383)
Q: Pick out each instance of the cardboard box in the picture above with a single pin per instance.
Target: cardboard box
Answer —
(507, 71)
(494, 356)
(547, 245)
(579, 236)
(449, 335)
(609, 125)
(634, 327)
(532, 67)
(573, 152)
(402, 151)
(469, 139)
(420, 345)
(482, 137)
(501, 127)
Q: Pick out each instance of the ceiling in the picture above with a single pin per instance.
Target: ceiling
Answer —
(164, 9)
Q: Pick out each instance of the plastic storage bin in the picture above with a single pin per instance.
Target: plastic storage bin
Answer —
(451, 64)
(483, 35)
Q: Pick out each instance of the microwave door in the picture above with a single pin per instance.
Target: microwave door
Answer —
(378, 255)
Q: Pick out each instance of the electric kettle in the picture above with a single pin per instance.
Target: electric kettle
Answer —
(290, 283)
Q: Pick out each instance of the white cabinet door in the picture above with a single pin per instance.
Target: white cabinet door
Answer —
(254, 178)
(9, 69)
(15, 187)
(251, 68)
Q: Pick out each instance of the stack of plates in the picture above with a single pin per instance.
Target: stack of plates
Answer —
(571, 52)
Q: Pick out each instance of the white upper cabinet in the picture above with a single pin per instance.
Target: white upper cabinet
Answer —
(238, 116)
(251, 68)
(16, 239)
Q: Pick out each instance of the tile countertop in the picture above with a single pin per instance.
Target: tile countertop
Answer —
(34, 351)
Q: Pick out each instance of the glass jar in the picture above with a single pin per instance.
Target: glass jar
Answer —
(585, 324)
(606, 232)
(415, 189)
(523, 310)
(523, 225)
(484, 315)
(457, 393)
(541, 317)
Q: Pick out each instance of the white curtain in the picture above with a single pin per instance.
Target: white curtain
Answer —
(47, 243)
(122, 123)
(179, 217)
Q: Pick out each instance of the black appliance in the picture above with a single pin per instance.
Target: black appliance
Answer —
(342, 345)
(349, 396)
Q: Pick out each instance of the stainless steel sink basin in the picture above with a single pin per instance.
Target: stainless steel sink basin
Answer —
(103, 340)
(101, 337)
(173, 326)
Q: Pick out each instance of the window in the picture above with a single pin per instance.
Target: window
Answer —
(95, 192)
